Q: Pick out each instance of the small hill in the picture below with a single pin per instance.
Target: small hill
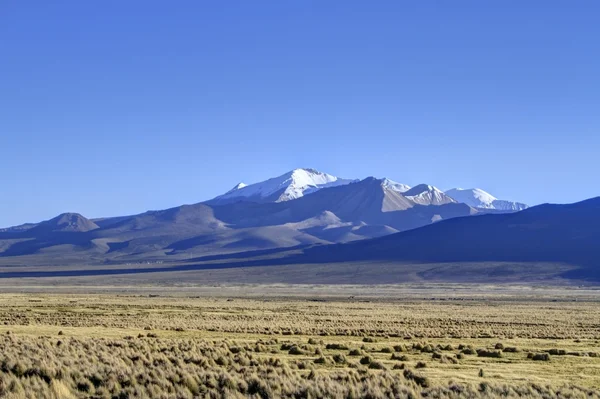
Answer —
(64, 223)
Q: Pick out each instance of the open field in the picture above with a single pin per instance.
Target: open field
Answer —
(314, 343)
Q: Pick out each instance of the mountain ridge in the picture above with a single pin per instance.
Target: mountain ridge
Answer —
(299, 208)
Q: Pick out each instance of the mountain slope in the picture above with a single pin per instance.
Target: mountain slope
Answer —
(545, 233)
(368, 201)
(478, 198)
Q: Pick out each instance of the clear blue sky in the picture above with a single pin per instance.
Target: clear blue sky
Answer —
(117, 107)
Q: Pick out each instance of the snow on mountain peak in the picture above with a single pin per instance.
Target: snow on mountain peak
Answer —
(478, 198)
(472, 196)
(424, 194)
(237, 187)
(392, 185)
(291, 185)
(300, 182)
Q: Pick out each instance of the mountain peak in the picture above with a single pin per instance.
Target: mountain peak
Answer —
(477, 198)
(392, 185)
(238, 186)
(424, 194)
(291, 185)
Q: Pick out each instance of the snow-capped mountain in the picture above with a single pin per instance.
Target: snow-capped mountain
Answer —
(289, 186)
(424, 194)
(399, 187)
(301, 207)
(477, 198)
(300, 182)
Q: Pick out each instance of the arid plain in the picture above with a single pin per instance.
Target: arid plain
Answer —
(299, 341)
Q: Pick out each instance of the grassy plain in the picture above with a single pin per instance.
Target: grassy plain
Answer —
(110, 345)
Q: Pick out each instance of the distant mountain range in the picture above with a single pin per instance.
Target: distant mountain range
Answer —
(301, 207)
(309, 217)
(299, 182)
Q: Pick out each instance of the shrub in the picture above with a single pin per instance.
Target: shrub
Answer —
(557, 352)
(402, 358)
(369, 340)
(377, 366)
(399, 348)
(468, 351)
(511, 349)
(418, 379)
(84, 386)
(499, 346)
(336, 347)
(486, 353)
(428, 349)
(448, 359)
(399, 366)
(235, 350)
(355, 352)
(421, 365)
(387, 350)
(338, 358)
(366, 360)
(545, 357)
(286, 346)
(294, 350)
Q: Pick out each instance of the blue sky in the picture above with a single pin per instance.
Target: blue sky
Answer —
(117, 107)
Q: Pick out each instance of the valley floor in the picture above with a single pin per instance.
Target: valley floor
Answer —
(299, 341)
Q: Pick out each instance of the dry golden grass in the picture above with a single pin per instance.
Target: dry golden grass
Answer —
(111, 346)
